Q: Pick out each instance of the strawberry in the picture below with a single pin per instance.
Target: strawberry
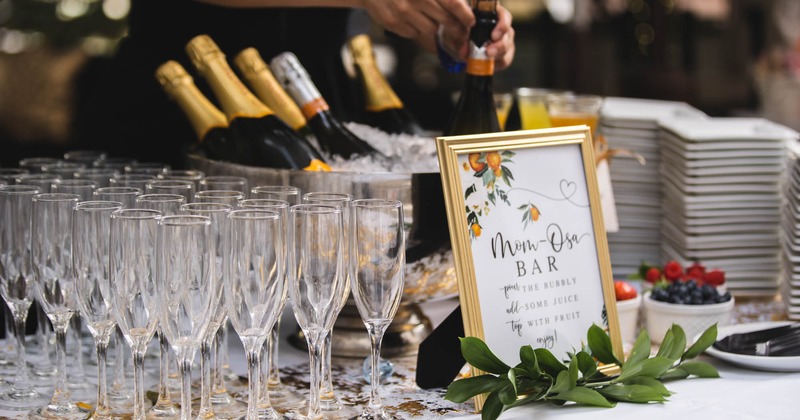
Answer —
(653, 275)
(673, 270)
(623, 290)
(714, 277)
(695, 271)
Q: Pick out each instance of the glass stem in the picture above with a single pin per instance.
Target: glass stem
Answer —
(376, 336)
(118, 383)
(77, 371)
(253, 355)
(186, 385)
(314, 345)
(101, 345)
(138, 385)
(42, 333)
(61, 395)
(218, 377)
(163, 387)
(22, 381)
(272, 362)
(205, 380)
(326, 382)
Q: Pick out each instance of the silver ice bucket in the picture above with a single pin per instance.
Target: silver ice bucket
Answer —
(429, 274)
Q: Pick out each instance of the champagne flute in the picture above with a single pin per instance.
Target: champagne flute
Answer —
(83, 187)
(221, 405)
(116, 163)
(187, 290)
(42, 180)
(16, 285)
(10, 174)
(281, 397)
(185, 175)
(132, 267)
(90, 243)
(171, 186)
(131, 180)
(229, 197)
(51, 258)
(377, 260)
(224, 182)
(328, 401)
(101, 176)
(125, 195)
(66, 170)
(255, 255)
(147, 168)
(86, 157)
(317, 281)
(167, 204)
(34, 164)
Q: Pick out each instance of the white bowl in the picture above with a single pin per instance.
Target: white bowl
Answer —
(628, 313)
(694, 319)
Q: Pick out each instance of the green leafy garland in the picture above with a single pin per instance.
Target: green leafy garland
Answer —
(542, 377)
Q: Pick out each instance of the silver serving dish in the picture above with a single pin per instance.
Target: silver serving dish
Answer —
(429, 274)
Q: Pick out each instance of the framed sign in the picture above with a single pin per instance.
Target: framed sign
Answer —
(528, 238)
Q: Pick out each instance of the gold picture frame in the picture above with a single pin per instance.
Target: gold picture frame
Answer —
(528, 238)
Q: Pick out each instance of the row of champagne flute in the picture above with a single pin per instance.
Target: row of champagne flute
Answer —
(180, 342)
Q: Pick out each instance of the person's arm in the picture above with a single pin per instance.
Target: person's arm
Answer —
(415, 19)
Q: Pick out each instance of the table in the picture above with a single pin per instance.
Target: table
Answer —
(739, 394)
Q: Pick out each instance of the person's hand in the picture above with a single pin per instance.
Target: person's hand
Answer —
(501, 46)
(419, 19)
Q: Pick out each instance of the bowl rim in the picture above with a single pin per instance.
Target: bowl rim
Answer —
(628, 303)
(707, 309)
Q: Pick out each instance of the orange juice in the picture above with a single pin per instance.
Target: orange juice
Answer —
(502, 103)
(574, 118)
(533, 114)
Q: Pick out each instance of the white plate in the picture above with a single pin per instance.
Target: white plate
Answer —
(775, 364)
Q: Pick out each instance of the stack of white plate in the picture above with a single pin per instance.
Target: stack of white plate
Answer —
(790, 235)
(632, 124)
(722, 193)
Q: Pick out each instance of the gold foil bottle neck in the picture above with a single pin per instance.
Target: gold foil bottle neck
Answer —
(268, 89)
(250, 61)
(378, 93)
(202, 49)
(361, 48)
(171, 74)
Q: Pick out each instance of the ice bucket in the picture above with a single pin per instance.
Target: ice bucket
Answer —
(429, 273)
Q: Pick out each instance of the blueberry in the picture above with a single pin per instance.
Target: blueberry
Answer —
(709, 291)
(691, 284)
(659, 295)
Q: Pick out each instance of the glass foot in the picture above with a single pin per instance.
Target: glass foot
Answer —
(162, 410)
(284, 399)
(22, 400)
(67, 411)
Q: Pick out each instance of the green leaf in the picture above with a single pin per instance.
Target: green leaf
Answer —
(640, 350)
(477, 354)
(492, 407)
(651, 368)
(573, 370)
(507, 173)
(512, 377)
(674, 373)
(480, 173)
(584, 396)
(469, 191)
(600, 344)
(534, 390)
(548, 362)
(464, 389)
(528, 358)
(522, 207)
(507, 154)
(563, 382)
(632, 393)
(507, 395)
(652, 383)
(700, 369)
(706, 339)
(586, 364)
(674, 343)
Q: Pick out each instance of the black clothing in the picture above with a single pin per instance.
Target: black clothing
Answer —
(129, 115)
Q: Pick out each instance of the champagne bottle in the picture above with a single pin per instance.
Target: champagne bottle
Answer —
(383, 109)
(269, 91)
(206, 119)
(475, 112)
(333, 137)
(271, 142)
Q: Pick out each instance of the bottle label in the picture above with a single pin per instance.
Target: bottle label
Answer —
(314, 107)
(478, 63)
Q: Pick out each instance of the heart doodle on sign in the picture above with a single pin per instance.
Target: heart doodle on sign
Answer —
(568, 188)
